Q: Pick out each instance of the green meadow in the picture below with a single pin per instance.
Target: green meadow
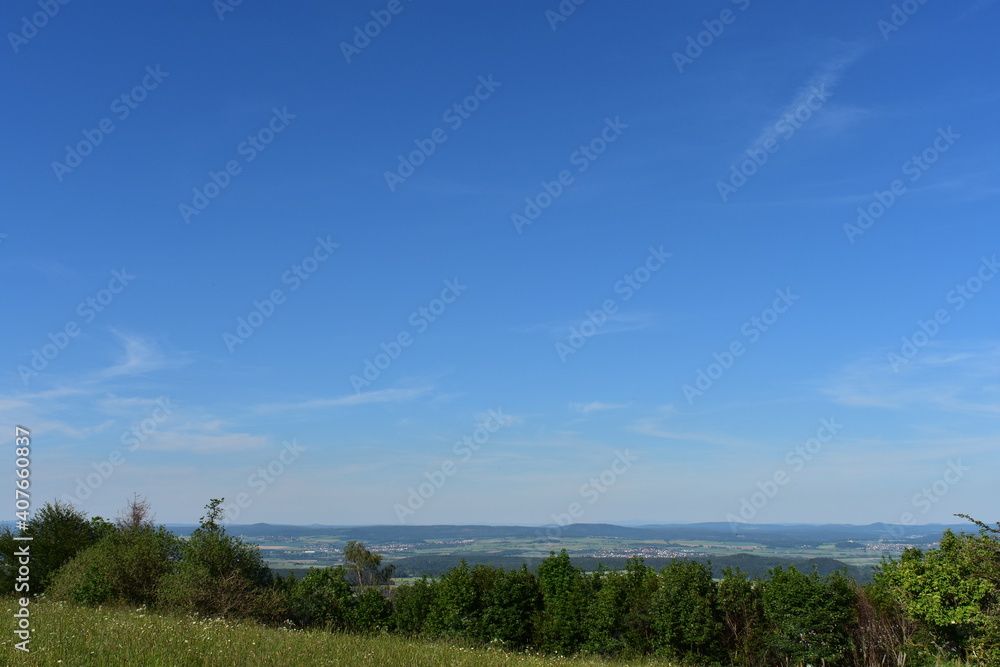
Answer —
(66, 634)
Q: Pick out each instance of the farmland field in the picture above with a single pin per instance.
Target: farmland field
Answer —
(418, 550)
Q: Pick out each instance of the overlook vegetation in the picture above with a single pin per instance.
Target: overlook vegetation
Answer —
(927, 606)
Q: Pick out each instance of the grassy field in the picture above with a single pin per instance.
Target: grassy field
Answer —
(68, 635)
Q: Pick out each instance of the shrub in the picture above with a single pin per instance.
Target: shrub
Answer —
(452, 612)
(809, 617)
(219, 575)
(59, 532)
(321, 598)
(566, 597)
(952, 591)
(620, 620)
(742, 614)
(686, 612)
(509, 608)
(125, 566)
(411, 605)
(370, 611)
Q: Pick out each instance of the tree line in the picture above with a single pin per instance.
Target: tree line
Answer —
(942, 603)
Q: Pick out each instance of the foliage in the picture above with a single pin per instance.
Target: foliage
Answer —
(509, 609)
(59, 531)
(953, 591)
(363, 567)
(620, 619)
(370, 612)
(219, 575)
(942, 604)
(566, 596)
(125, 566)
(411, 605)
(322, 598)
(454, 603)
(809, 617)
(686, 611)
(741, 609)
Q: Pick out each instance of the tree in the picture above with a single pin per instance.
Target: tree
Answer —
(509, 608)
(370, 611)
(59, 531)
(687, 615)
(219, 575)
(412, 605)
(363, 566)
(126, 566)
(883, 632)
(323, 597)
(136, 514)
(620, 618)
(809, 617)
(455, 604)
(742, 614)
(566, 596)
(953, 591)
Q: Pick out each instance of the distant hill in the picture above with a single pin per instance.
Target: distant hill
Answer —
(777, 535)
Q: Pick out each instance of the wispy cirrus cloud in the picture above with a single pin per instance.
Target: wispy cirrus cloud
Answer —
(658, 425)
(361, 398)
(203, 438)
(595, 406)
(824, 79)
(962, 378)
(654, 427)
(139, 355)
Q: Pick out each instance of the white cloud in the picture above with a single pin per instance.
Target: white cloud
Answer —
(619, 322)
(202, 443)
(653, 427)
(950, 378)
(361, 398)
(139, 355)
(595, 406)
(825, 79)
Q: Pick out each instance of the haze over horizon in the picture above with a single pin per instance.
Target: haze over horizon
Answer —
(505, 264)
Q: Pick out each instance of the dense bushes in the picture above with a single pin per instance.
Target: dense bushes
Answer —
(125, 566)
(925, 606)
(687, 613)
(952, 593)
(219, 575)
(58, 533)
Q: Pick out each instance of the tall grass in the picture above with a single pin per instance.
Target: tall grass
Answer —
(74, 636)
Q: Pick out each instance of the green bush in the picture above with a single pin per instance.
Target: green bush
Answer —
(687, 615)
(566, 598)
(742, 613)
(219, 575)
(59, 532)
(370, 611)
(953, 592)
(321, 598)
(809, 617)
(454, 603)
(126, 566)
(411, 605)
(509, 609)
(620, 618)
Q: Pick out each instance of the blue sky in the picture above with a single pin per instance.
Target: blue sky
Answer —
(731, 260)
